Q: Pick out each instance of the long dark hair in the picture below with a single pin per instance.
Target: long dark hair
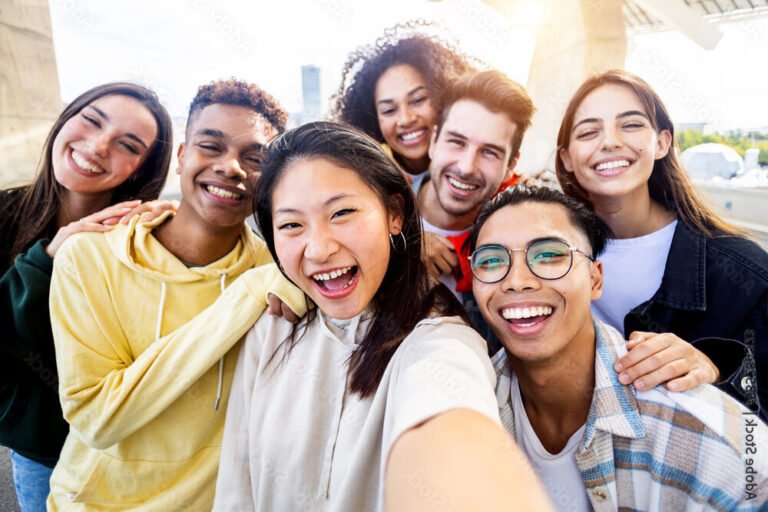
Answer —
(438, 61)
(406, 294)
(669, 184)
(36, 206)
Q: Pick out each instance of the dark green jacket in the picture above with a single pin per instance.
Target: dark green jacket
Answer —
(31, 421)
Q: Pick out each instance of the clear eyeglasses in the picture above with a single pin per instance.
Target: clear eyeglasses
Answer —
(547, 258)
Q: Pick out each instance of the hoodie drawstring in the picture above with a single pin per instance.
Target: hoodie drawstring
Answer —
(221, 361)
(159, 325)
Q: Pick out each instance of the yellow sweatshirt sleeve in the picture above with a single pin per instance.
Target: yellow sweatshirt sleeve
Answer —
(107, 394)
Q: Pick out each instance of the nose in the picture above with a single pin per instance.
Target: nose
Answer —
(406, 116)
(100, 144)
(519, 278)
(229, 166)
(466, 161)
(320, 246)
(611, 138)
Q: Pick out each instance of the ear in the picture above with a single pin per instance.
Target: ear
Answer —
(566, 158)
(432, 141)
(596, 277)
(663, 143)
(511, 166)
(180, 157)
(395, 217)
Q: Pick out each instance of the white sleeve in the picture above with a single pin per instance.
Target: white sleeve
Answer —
(233, 484)
(439, 368)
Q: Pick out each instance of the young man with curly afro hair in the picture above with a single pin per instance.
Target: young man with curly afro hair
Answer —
(146, 320)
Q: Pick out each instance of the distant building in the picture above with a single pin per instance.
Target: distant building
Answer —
(310, 91)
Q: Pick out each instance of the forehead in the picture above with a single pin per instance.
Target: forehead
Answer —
(126, 112)
(400, 77)
(474, 121)
(516, 225)
(324, 177)
(236, 122)
(607, 101)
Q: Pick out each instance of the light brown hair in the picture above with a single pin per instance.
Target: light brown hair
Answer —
(669, 184)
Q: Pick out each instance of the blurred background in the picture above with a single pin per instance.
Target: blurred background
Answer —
(706, 58)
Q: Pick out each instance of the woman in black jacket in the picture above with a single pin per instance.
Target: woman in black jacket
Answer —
(108, 151)
(679, 271)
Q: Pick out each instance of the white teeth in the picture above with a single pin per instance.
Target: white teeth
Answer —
(332, 274)
(612, 165)
(407, 137)
(85, 164)
(460, 185)
(220, 192)
(518, 313)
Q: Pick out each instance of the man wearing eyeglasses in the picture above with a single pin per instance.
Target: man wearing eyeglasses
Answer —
(595, 443)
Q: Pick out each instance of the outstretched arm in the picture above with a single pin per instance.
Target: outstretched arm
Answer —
(461, 461)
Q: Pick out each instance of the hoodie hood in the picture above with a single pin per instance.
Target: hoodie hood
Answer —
(136, 247)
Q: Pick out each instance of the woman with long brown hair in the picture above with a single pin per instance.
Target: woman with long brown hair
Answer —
(674, 267)
(108, 151)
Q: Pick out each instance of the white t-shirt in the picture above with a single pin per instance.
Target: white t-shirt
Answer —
(448, 280)
(632, 272)
(558, 472)
(296, 438)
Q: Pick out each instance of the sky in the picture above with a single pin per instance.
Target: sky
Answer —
(173, 46)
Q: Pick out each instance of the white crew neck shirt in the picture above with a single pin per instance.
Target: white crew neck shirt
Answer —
(448, 280)
(296, 438)
(632, 273)
(558, 472)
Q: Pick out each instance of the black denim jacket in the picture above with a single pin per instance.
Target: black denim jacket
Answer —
(714, 294)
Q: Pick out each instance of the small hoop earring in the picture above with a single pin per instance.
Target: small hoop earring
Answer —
(394, 246)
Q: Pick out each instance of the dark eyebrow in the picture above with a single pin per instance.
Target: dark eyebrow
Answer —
(409, 93)
(209, 132)
(327, 202)
(628, 113)
(458, 135)
(129, 134)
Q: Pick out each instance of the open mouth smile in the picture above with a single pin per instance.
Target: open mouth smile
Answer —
(412, 137)
(84, 165)
(336, 283)
(526, 320)
(612, 167)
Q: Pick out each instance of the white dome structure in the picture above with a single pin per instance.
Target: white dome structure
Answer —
(707, 161)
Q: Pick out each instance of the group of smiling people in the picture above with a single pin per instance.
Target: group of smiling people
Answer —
(140, 373)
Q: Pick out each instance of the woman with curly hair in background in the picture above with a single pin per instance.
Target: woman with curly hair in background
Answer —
(391, 90)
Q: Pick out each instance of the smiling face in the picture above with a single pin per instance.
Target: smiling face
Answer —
(406, 113)
(101, 146)
(220, 163)
(613, 145)
(331, 235)
(471, 156)
(538, 320)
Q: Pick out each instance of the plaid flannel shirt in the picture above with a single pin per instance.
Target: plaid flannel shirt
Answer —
(657, 450)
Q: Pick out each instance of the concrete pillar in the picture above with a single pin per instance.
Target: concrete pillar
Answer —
(577, 39)
(29, 87)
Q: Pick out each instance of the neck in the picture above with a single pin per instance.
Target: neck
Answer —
(557, 393)
(194, 243)
(632, 215)
(413, 166)
(432, 211)
(75, 206)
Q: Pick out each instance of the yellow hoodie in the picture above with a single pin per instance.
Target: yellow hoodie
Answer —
(145, 369)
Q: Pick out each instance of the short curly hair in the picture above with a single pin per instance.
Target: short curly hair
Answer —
(436, 59)
(244, 94)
